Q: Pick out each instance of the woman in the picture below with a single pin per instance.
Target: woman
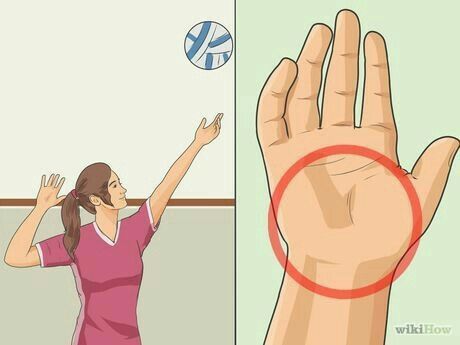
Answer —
(106, 255)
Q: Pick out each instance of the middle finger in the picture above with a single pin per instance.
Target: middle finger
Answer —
(342, 73)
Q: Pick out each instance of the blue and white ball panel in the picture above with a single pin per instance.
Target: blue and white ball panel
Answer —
(208, 45)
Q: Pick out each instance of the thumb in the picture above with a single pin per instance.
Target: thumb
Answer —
(202, 123)
(61, 198)
(430, 174)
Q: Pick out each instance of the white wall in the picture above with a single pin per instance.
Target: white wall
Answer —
(109, 81)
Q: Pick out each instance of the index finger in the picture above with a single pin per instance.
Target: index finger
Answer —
(271, 105)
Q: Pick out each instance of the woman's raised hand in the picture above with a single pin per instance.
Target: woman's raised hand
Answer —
(48, 194)
(204, 135)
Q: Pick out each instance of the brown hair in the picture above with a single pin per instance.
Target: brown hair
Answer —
(93, 180)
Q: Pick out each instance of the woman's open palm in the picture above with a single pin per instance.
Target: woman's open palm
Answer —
(48, 194)
(344, 211)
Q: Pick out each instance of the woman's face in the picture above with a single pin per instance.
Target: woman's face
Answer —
(117, 192)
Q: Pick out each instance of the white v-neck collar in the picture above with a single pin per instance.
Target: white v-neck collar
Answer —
(105, 237)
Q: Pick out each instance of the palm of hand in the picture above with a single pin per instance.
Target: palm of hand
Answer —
(338, 209)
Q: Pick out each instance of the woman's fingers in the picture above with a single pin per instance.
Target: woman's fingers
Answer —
(430, 174)
(59, 185)
(214, 123)
(219, 121)
(50, 181)
(53, 181)
(377, 110)
(271, 127)
(56, 180)
(302, 111)
(342, 73)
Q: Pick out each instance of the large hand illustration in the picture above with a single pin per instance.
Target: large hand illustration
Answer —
(345, 218)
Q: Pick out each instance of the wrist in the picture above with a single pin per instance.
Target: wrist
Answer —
(358, 321)
(197, 144)
(40, 209)
(303, 316)
(342, 276)
(292, 287)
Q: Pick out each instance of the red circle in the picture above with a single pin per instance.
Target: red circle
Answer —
(416, 221)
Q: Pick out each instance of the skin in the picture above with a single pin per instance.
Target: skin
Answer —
(21, 252)
(358, 222)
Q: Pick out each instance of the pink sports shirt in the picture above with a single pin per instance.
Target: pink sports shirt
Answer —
(108, 275)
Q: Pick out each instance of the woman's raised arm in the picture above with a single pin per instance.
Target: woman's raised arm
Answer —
(20, 252)
(162, 193)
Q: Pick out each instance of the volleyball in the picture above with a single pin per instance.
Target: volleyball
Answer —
(208, 45)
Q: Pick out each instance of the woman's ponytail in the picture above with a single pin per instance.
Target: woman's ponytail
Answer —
(70, 214)
(93, 180)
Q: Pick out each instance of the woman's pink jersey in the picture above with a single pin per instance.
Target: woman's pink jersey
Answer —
(108, 275)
